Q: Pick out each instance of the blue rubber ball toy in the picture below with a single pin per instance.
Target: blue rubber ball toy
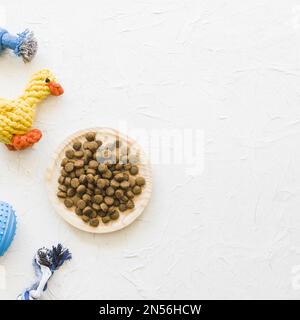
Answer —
(8, 225)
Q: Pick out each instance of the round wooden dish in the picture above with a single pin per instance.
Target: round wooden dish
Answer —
(127, 217)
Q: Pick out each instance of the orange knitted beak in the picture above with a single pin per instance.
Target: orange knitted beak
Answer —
(55, 88)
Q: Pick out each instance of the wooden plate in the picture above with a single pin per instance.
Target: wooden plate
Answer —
(126, 218)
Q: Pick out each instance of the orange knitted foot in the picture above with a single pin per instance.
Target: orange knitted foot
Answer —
(10, 147)
(27, 140)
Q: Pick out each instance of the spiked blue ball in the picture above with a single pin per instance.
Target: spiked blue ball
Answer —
(8, 224)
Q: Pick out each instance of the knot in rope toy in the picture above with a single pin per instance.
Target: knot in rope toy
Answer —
(23, 44)
(8, 225)
(45, 262)
(17, 115)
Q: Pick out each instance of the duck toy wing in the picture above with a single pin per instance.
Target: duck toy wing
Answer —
(6, 107)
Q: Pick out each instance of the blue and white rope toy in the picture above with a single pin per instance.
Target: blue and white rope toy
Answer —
(45, 262)
(23, 44)
(8, 224)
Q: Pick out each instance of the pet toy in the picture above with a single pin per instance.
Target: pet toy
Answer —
(23, 44)
(16, 116)
(45, 262)
(7, 226)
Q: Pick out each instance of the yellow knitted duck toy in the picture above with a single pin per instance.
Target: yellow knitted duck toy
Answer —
(16, 116)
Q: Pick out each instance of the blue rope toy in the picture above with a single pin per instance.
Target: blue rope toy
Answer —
(23, 44)
(45, 262)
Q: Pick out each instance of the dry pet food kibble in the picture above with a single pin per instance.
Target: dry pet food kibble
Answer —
(98, 180)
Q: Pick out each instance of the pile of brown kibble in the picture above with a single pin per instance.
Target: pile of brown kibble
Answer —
(98, 180)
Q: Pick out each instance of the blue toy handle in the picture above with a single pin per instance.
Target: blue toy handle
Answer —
(2, 33)
(8, 40)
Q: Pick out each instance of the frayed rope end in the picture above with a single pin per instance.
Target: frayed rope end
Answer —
(27, 46)
(53, 258)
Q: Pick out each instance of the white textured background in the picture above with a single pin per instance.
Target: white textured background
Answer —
(229, 68)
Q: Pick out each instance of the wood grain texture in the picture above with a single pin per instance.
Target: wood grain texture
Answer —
(126, 218)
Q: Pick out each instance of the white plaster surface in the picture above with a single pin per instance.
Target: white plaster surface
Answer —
(228, 68)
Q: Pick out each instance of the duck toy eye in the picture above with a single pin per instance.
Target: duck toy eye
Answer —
(47, 80)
